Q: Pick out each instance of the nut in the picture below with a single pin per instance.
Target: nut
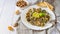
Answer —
(17, 12)
(10, 28)
(21, 4)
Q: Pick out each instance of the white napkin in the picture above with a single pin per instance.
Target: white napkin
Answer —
(32, 1)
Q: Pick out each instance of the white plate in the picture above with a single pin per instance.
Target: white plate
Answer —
(24, 21)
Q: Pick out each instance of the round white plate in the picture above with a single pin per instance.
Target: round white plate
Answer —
(24, 21)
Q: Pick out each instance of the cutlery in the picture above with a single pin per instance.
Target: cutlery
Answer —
(16, 24)
(17, 29)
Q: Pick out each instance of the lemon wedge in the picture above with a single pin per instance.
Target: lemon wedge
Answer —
(36, 15)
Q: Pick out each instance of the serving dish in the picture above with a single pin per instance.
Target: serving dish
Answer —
(22, 4)
(28, 25)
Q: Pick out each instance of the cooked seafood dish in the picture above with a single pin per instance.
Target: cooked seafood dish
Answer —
(37, 17)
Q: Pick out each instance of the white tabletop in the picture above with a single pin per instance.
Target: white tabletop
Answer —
(7, 9)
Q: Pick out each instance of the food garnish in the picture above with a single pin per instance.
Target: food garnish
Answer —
(37, 17)
(42, 14)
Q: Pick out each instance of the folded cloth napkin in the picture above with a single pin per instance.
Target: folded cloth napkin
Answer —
(32, 1)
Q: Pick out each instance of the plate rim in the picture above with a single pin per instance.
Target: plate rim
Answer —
(30, 27)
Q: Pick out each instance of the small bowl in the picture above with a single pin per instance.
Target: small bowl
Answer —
(25, 6)
(30, 26)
